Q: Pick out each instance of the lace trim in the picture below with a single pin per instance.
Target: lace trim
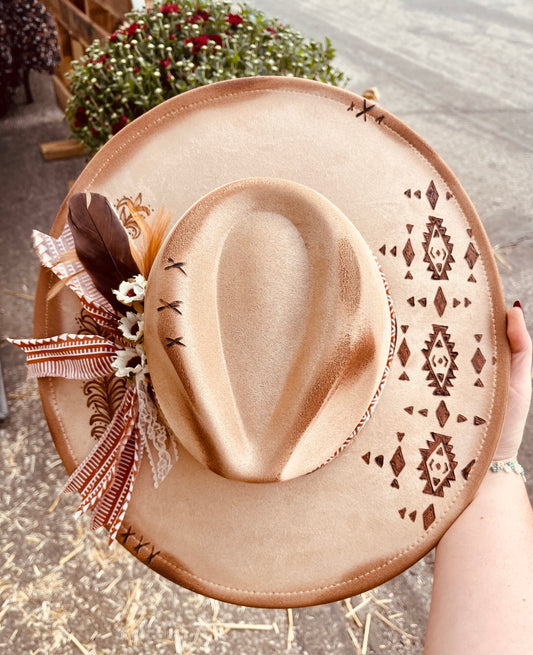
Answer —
(160, 446)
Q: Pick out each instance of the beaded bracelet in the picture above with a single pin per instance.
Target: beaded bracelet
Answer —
(508, 466)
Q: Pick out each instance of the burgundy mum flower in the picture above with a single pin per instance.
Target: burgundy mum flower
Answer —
(133, 29)
(136, 69)
(170, 9)
(113, 37)
(202, 40)
(234, 19)
(200, 15)
(165, 62)
(122, 122)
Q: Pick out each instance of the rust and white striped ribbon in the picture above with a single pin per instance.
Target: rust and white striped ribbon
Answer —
(71, 356)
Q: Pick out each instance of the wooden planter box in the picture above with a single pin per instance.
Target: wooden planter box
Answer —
(79, 23)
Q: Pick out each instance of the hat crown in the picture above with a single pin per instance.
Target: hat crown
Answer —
(265, 310)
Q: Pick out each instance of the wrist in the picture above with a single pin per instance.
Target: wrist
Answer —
(501, 475)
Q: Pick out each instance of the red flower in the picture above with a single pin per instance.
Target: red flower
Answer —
(172, 37)
(95, 132)
(101, 60)
(136, 69)
(170, 9)
(113, 37)
(234, 19)
(122, 122)
(200, 15)
(202, 40)
(79, 116)
(165, 62)
(132, 29)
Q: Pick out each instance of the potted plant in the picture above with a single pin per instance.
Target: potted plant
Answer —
(175, 46)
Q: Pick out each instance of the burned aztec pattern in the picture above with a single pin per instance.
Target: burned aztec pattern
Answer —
(437, 355)
(437, 466)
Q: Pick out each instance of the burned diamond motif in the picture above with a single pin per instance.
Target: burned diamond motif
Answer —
(437, 465)
(428, 516)
(397, 462)
(438, 249)
(403, 352)
(432, 195)
(408, 252)
(478, 361)
(440, 360)
(471, 255)
(440, 301)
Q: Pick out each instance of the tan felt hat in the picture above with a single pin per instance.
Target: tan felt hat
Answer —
(324, 365)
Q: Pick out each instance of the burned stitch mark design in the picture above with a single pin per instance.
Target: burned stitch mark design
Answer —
(364, 111)
(126, 535)
(174, 341)
(140, 544)
(438, 249)
(440, 360)
(152, 555)
(173, 305)
(173, 264)
(437, 465)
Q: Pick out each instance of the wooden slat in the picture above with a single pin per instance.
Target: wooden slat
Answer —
(115, 7)
(101, 16)
(79, 24)
(62, 93)
(62, 149)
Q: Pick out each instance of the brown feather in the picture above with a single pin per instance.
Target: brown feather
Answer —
(102, 244)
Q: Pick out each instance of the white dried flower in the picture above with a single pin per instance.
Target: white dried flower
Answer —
(131, 290)
(129, 362)
(132, 326)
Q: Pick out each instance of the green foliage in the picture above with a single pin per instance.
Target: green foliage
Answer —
(178, 46)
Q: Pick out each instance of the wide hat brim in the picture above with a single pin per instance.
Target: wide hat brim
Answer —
(387, 499)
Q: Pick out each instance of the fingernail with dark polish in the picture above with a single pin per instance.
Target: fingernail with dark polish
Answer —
(517, 303)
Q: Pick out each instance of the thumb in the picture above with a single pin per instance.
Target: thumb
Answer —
(519, 385)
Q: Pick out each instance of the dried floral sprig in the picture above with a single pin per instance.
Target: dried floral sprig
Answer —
(177, 46)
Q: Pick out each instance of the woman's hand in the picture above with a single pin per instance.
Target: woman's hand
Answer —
(520, 386)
